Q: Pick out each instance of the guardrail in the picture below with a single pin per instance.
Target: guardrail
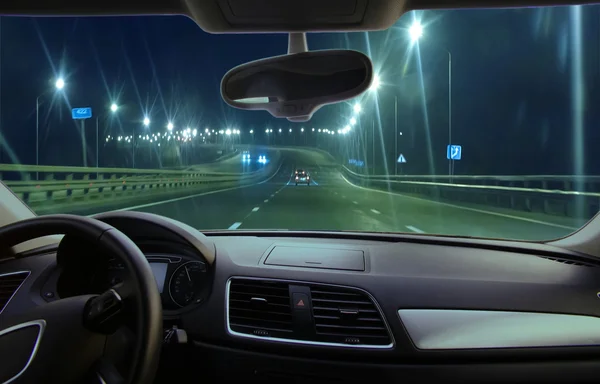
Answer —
(572, 196)
(79, 186)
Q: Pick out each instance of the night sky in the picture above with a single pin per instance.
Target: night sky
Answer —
(512, 86)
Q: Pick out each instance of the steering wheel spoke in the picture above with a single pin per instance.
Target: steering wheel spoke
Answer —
(105, 372)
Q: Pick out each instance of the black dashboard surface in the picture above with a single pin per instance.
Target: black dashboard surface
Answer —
(404, 276)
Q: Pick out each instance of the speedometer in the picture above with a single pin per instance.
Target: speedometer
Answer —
(187, 282)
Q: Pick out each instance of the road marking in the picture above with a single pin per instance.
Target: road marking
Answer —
(235, 225)
(467, 208)
(255, 209)
(375, 211)
(414, 229)
(355, 202)
(343, 197)
(191, 196)
(266, 200)
(273, 195)
(335, 193)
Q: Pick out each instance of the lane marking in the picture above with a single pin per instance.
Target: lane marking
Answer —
(504, 215)
(273, 195)
(375, 211)
(355, 202)
(266, 200)
(343, 197)
(190, 196)
(235, 225)
(255, 209)
(414, 229)
(335, 193)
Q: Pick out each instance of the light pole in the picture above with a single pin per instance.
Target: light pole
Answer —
(113, 109)
(146, 125)
(416, 31)
(58, 85)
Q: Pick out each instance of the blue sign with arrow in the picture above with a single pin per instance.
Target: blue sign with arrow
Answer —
(81, 113)
(454, 152)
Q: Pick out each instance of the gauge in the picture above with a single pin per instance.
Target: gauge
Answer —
(187, 282)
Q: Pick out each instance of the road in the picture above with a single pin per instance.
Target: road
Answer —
(333, 203)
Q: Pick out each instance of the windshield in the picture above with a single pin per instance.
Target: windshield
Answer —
(478, 123)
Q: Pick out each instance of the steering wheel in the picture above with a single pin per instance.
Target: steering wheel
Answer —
(72, 332)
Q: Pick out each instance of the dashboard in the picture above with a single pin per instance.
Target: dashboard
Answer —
(316, 305)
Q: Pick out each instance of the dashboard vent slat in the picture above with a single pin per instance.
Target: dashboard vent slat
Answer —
(9, 284)
(259, 307)
(568, 262)
(347, 316)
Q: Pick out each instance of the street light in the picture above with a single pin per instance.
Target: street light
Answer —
(279, 130)
(415, 31)
(114, 107)
(170, 126)
(290, 129)
(301, 129)
(252, 131)
(146, 121)
(353, 121)
(313, 129)
(58, 85)
(375, 84)
(357, 108)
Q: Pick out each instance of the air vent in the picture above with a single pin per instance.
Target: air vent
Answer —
(9, 284)
(347, 316)
(260, 308)
(568, 262)
(305, 313)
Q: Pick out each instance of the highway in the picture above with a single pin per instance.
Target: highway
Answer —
(333, 203)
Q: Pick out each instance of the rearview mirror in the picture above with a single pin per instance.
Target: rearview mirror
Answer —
(294, 86)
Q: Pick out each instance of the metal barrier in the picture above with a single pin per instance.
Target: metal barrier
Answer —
(573, 196)
(74, 185)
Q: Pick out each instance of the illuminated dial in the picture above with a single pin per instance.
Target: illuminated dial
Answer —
(187, 282)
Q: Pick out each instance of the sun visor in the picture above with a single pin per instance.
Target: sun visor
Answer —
(232, 16)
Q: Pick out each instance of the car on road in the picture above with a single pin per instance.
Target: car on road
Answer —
(301, 176)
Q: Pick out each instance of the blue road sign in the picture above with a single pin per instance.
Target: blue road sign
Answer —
(81, 113)
(401, 159)
(454, 152)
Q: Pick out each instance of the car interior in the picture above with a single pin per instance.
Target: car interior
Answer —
(79, 299)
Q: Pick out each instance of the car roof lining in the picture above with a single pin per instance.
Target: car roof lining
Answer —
(256, 16)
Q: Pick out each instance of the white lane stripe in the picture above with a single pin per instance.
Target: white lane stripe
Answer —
(273, 195)
(467, 208)
(355, 202)
(191, 196)
(266, 200)
(414, 229)
(255, 209)
(343, 197)
(375, 211)
(235, 225)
